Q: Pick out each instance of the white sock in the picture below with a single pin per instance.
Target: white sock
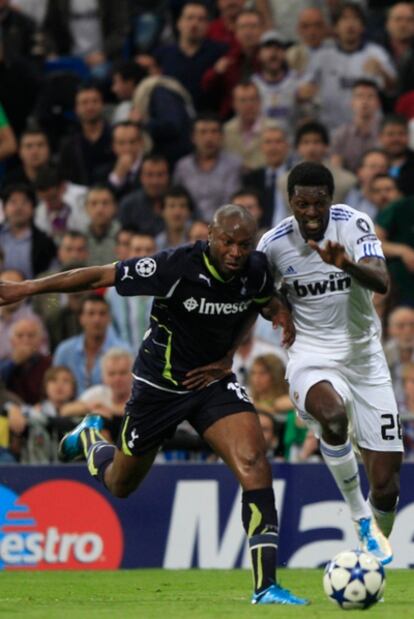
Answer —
(385, 520)
(341, 461)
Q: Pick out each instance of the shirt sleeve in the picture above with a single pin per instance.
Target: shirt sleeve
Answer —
(155, 275)
(265, 246)
(361, 240)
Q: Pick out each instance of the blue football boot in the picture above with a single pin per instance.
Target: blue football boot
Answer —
(275, 594)
(71, 447)
(372, 540)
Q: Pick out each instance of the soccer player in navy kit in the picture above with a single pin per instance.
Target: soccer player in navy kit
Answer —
(206, 296)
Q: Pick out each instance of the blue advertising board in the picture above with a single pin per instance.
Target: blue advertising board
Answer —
(184, 515)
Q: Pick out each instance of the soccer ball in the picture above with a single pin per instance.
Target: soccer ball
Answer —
(354, 579)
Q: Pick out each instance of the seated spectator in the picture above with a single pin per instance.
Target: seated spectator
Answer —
(126, 74)
(22, 372)
(222, 29)
(122, 243)
(278, 86)
(193, 54)
(198, 231)
(177, 210)
(94, 30)
(130, 315)
(395, 229)
(242, 134)
(312, 144)
(250, 200)
(352, 140)
(237, 65)
(63, 321)
(398, 36)
(250, 348)
(40, 422)
(209, 174)
(84, 154)
(82, 354)
(373, 162)
(9, 446)
(128, 147)
(267, 179)
(393, 139)
(141, 210)
(26, 248)
(12, 313)
(72, 252)
(62, 204)
(103, 227)
(267, 423)
(109, 398)
(312, 31)
(383, 190)
(34, 153)
(333, 71)
(8, 143)
(399, 348)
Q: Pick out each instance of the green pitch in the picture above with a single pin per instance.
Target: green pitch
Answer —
(195, 594)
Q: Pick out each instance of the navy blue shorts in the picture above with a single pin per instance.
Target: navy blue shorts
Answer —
(152, 415)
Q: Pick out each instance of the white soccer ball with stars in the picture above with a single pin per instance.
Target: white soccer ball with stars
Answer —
(354, 579)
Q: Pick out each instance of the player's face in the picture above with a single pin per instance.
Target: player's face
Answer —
(310, 206)
(231, 243)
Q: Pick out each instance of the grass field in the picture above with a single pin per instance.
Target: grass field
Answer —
(162, 594)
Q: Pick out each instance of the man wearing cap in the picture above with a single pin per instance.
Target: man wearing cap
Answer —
(276, 83)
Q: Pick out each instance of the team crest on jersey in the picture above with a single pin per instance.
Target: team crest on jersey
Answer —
(363, 225)
(146, 267)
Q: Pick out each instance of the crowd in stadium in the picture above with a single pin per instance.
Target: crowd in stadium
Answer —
(124, 126)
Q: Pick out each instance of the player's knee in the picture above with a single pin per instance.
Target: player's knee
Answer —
(252, 461)
(335, 423)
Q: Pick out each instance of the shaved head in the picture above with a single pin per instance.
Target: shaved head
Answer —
(228, 215)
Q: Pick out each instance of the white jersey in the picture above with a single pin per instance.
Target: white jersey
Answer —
(333, 314)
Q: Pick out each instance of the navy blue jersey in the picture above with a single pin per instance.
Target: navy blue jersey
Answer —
(196, 314)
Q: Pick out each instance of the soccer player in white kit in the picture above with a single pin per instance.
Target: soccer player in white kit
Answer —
(328, 261)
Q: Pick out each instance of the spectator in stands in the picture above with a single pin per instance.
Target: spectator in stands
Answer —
(250, 348)
(109, 398)
(209, 174)
(333, 71)
(84, 154)
(72, 252)
(267, 424)
(198, 231)
(193, 54)
(12, 313)
(395, 228)
(94, 30)
(22, 372)
(222, 28)
(26, 248)
(353, 139)
(126, 74)
(82, 354)
(237, 65)
(8, 143)
(62, 204)
(398, 37)
(177, 211)
(393, 139)
(39, 422)
(128, 147)
(34, 153)
(250, 198)
(141, 210)
(122, 243)
(242, 134)
(63, 321)
(130, 315)
(373, 162)
(383, 190)
(285, 15)
(9, 444)
(399, 348)
(278, 86)
(312, 31)
(266, 179)
(101, 208)
(312, 144)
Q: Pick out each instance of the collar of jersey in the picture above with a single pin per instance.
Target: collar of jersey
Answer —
(213, 271)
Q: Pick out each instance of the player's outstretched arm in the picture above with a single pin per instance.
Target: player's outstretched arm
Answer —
(75, 280)
(370, 272)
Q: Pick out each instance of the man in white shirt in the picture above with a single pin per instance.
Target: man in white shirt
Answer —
(330, 261)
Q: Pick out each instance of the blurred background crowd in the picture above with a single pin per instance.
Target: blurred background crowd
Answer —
(125, 124)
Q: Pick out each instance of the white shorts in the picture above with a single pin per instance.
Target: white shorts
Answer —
(366, 389)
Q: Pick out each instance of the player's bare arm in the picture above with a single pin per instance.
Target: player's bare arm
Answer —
(370, 272)
(278, 312)
(75, 280)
